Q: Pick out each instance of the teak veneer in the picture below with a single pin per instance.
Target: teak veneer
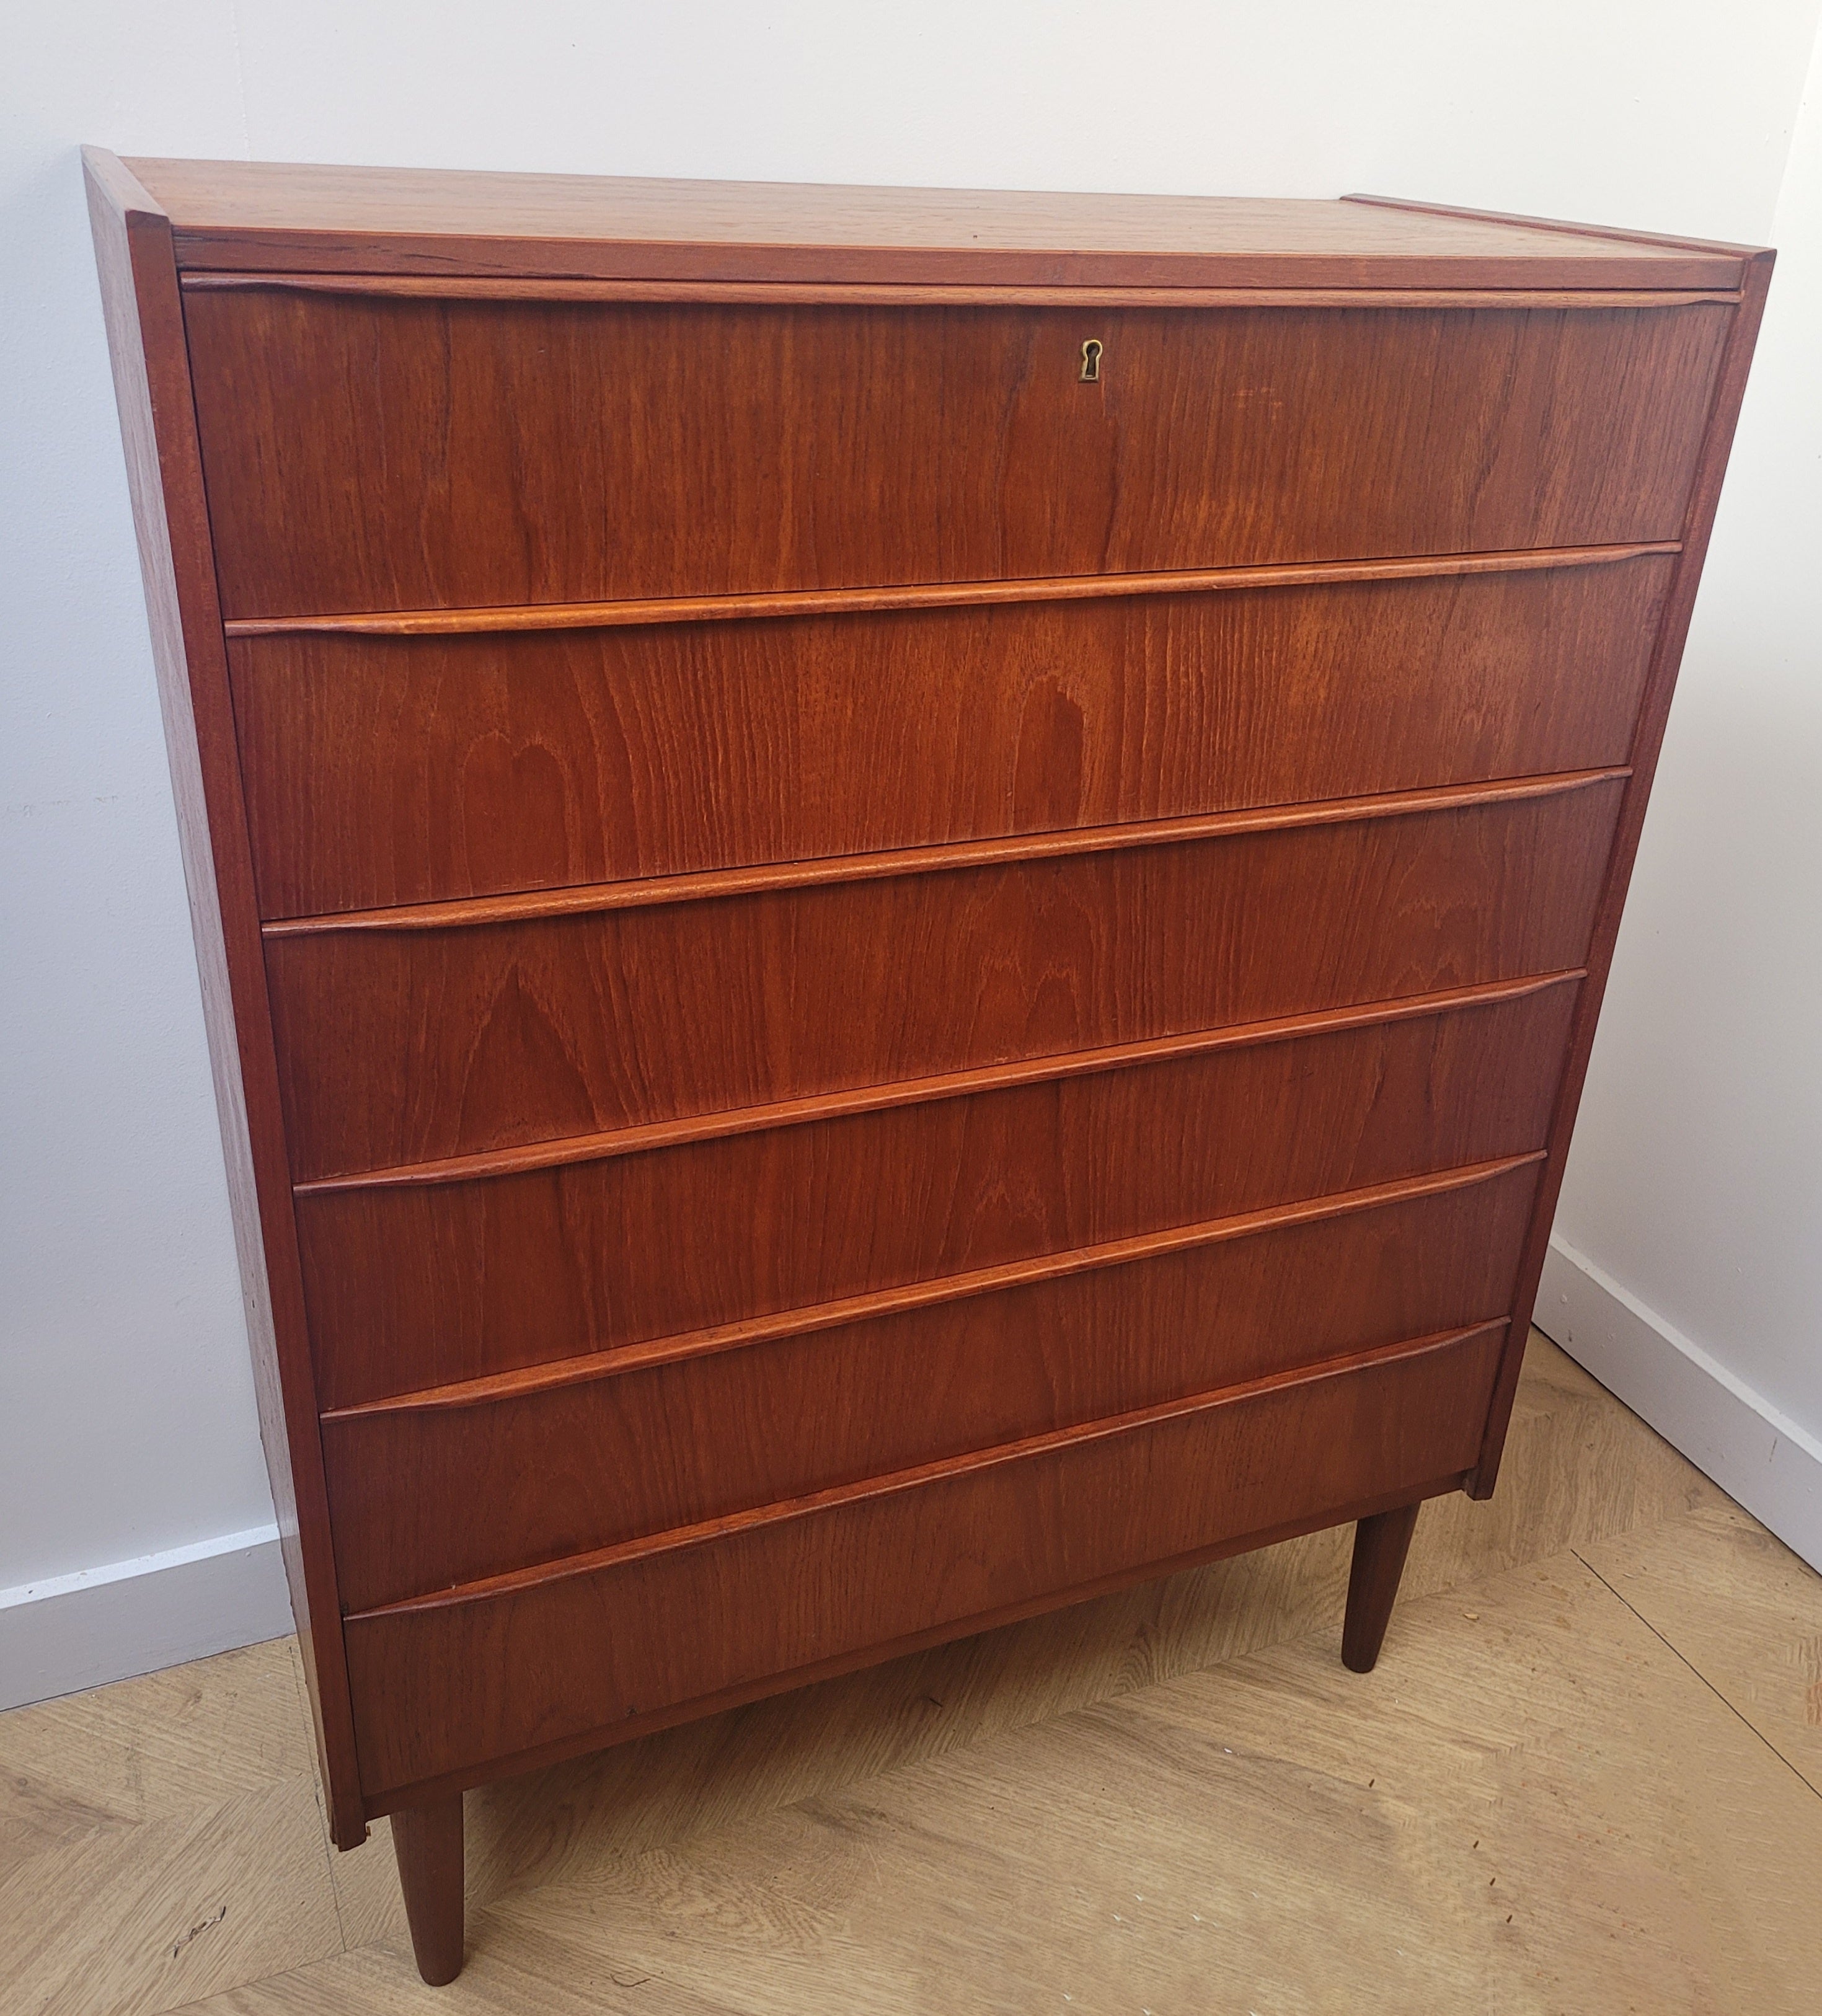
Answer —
(901, 894)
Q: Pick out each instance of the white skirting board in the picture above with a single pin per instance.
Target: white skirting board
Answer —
(133, 1617)
(1753, 1451)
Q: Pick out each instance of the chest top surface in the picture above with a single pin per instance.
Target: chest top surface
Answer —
(274, 217)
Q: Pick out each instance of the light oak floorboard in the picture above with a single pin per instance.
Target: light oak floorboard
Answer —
(1742, 1609)
(139, 1918)
(539, 1977)
(152, 1748)
(160, 1839)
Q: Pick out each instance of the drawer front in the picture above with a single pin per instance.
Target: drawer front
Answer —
(384, 770)
(399, 1046)
(486, 1678)
(419, 1285)
(372, 453)
(424, 1498)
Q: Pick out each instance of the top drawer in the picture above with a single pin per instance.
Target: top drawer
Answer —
(372, 452)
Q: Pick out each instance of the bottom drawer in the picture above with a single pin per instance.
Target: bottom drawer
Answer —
(470, 1683)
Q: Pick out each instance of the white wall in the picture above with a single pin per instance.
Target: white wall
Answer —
(1695, 1184)
(126, 1416)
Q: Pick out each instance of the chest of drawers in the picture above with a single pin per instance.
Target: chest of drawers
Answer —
(901, 894)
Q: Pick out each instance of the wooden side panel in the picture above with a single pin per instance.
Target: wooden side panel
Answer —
(374, 453)
(388, 770)
(462, 1685)
(424, 1285)
(146, 339)
(426, 1498)
(401, 1045)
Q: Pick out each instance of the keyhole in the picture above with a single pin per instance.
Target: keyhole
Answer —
(1091, 357)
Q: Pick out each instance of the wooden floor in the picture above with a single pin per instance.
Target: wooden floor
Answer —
(1586, 1777)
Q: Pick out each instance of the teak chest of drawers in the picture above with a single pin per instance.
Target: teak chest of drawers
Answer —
(901, 893)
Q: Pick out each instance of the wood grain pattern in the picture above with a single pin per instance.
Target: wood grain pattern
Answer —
(153, 390)
(288, 216)
(417, 1286)
(388, 771)
(401, 1046)
(373, 454)
(464, 1684)
(425, 1499)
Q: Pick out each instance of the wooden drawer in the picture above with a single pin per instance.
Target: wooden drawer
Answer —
(398, 1045)
(368, 453)
(384, 770)
(498, 1673)
(416, 1285)
(425, 1495)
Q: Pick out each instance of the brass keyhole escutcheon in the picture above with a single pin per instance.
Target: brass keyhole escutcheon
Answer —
(1091, 357)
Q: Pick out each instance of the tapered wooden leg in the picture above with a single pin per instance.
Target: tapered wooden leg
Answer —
(1379, 1545)
(427, 1841)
